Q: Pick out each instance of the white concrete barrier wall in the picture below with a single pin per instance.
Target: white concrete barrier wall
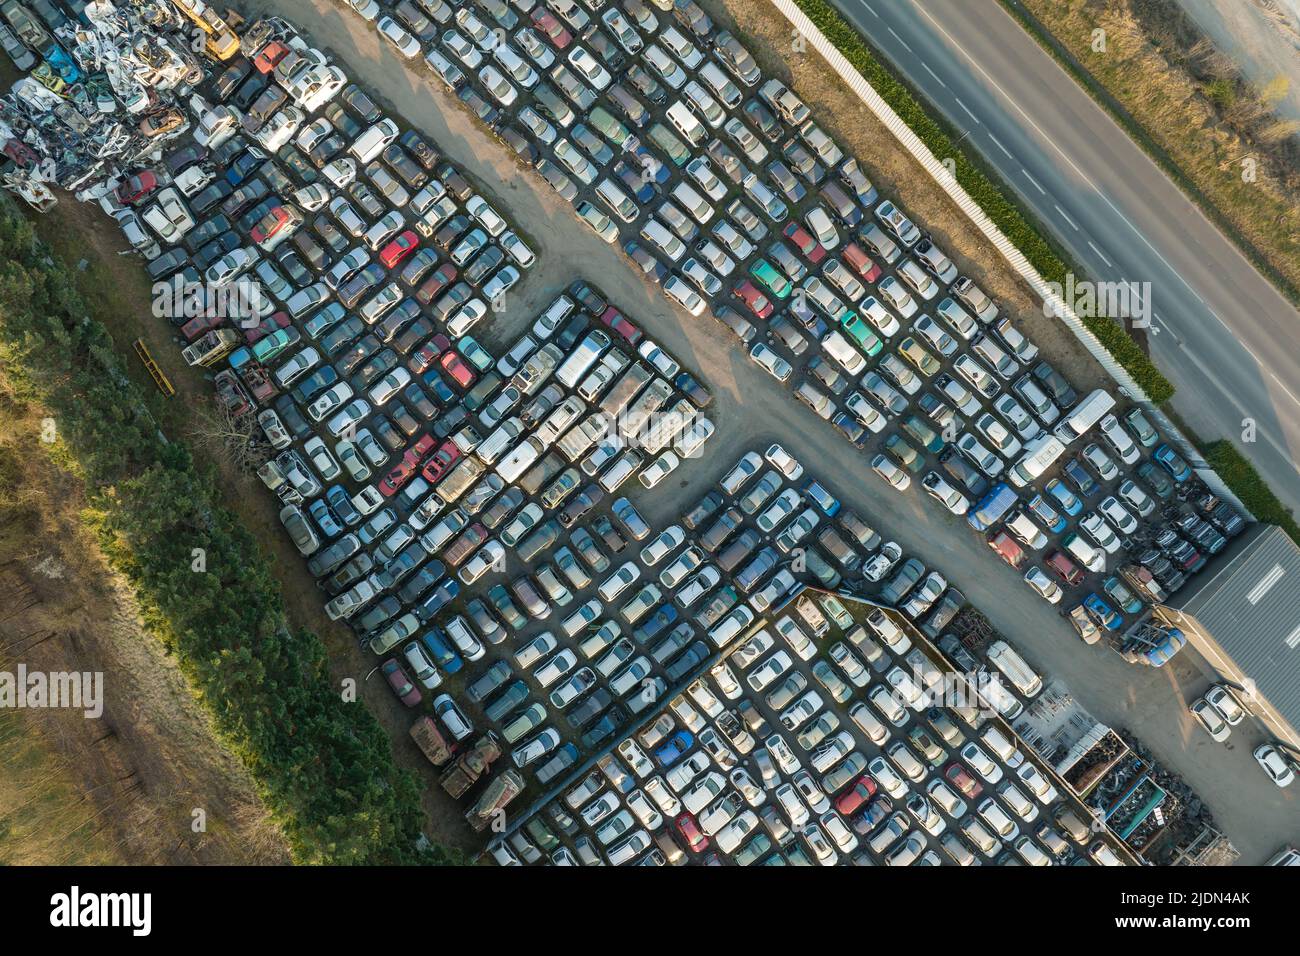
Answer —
(1006, 248)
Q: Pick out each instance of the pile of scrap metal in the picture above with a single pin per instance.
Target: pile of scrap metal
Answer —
(106, 87)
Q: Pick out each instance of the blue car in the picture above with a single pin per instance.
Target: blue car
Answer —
(324, 518)
(438, 385)
(244, 165)
(1079, 477)
(341, 502)
(1173, 463)
(443, 655)
(1066, 498)
(823, 498)
(1048, 515)
(1103, 613)
(673, 748)
(439, 599)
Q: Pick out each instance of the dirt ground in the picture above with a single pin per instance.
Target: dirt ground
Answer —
(119, 291)
(124, 787)
(770, 37)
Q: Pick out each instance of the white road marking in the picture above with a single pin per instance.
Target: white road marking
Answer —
(1061, 213)
(1093, 246)
(1034, 181)
(967, 109)
(1093, 186)
(870, 9)
(998, 144)
(899, 39)
(935, 75)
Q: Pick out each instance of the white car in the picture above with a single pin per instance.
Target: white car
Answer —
(1225, 702)
(1211, 720)
(1047, 589)
(663, 545)
(401, 41)
(768, 360)
(784, 462)
(948, 496)
(681, 293)
(1275, 765)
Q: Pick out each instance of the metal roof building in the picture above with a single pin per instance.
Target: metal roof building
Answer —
(1243, 614)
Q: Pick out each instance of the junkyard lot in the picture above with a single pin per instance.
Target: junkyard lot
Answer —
(568, 249)
(752, 409)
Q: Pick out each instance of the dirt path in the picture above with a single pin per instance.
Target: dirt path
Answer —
(147, 782)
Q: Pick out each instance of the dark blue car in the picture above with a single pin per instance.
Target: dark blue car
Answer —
(440, 648)
(341, 502)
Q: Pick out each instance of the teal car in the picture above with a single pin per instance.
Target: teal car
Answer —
(770, 278)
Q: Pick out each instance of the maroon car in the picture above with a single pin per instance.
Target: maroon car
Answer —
(691, 833)
(957, 774)
(136, 188)
(401, 684)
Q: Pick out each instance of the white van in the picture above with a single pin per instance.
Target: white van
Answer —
(1086, 414)
(1040, 454)
(520, 460)
(619, 202)
(371, 143)
(1013, 667)
(499, 440)
(695, 204)
(1001, 747)
(663, 239)
(838, 348)
(680, 115)
(582, 358)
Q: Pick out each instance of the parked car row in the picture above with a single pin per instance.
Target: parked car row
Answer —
(721, 186)
(809, 743)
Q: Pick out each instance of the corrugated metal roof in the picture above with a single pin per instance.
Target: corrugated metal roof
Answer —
(1248, 599)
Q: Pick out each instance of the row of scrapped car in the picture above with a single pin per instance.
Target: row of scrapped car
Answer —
(721, 186)
(589, 408)
(810, 742)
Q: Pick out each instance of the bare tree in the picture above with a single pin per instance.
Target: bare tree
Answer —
(231, 437)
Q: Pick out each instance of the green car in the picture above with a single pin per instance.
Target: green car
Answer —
(268, 348)
(919, 356)
(609, 127)
(770, 278)
(925, 436)
(861, 334)
(670, 144)
(753, 851)
(904, 454)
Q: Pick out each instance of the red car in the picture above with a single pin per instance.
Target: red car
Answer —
(446, 456)
(401, 247)
(230, 393)
(401, 684)
(275, 220)
(455, 366)
(956, 774)
(428, 353)
(400, 473)
(691, 833)
(859, 795)
(429, 289)
(1064, 568)
(860, 262)
(754, 300)
(200, 324)
(554, 30)
(269, 56)
(136, 188)
(804, 242)
(618, 322)
(272, 322)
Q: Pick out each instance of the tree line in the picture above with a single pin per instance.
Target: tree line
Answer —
(324, 767)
